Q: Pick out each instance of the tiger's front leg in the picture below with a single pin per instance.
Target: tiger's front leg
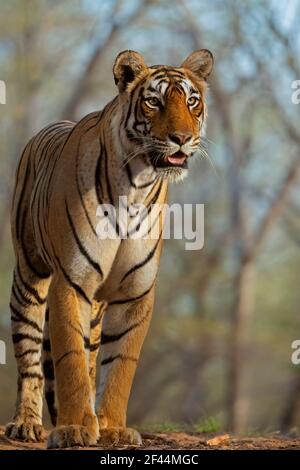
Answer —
(69, 326)
(124, 329)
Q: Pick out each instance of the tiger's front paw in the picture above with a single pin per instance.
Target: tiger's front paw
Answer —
(70, 436)
(119, 436)
(27, 431)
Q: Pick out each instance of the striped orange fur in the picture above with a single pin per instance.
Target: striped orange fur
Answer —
(73, 292)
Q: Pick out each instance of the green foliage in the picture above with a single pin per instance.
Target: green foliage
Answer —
(210, 424)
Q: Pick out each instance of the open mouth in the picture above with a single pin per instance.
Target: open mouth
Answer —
(178, 160)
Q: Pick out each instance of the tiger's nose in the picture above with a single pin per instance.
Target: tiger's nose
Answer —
(179, 139)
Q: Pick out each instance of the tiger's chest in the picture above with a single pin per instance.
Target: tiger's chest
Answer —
(133, 269)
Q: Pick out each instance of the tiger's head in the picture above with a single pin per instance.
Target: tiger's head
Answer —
(163, 109)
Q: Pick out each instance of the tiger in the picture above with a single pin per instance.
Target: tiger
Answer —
(74, 292)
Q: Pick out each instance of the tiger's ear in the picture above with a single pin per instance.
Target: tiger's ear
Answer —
(127, 66)
(200, 63)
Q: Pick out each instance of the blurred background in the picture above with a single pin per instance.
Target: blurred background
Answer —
(218, 354)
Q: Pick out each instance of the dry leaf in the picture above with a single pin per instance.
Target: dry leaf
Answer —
(215, 441)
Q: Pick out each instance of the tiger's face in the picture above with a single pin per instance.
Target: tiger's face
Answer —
(164, 109)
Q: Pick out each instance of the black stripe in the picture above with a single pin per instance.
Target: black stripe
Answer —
(94, 115)
(57, 126)
(46, 345)
(28, 146)
(42, 174)
(86, 342)
(129, 175)
(95, 322)
(40, 183)
(39, 274)
(130, 136)
(59, 141)
(161, 71)
(105, 339)
(145, 213)
(110, 359)
(154, 223)
(42, 206)
(31, 375)
(77, 330)
(31, 289)
(177, 78)
(50, 399)
(97, 176)
(73, 351)
(48, 369)
(156, 195)
(45, 144)
(22, 336)
(129, 111)
(20, 293)
(31, 410)
(24, 319)
(21, 201)
(47, 189)
(145, 261)
(138, 113)
(161, 81)
(160, 76)
(137, 122)
(29, 351)
(138, 84)
(133, 299)
(36, 363)
(81, 198)
(94, 346)
(109, 190)
(82, 249)
(16, 296)
(75, 286)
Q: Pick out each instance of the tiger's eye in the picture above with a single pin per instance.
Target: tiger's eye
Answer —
(152, 101)
(192, 101)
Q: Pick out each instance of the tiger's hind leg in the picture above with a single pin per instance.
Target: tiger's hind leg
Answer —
(123, 333)
(27, 305)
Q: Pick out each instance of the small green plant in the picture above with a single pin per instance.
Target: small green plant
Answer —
(210, 424)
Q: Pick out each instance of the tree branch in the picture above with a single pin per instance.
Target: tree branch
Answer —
(81, 88)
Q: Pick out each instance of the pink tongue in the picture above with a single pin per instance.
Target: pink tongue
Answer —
(176, 160)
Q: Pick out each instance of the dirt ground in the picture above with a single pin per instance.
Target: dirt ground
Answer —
(182, 440)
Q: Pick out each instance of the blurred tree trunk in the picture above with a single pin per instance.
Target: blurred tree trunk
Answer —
(244, 288)
(193, 397)
(289, 415)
